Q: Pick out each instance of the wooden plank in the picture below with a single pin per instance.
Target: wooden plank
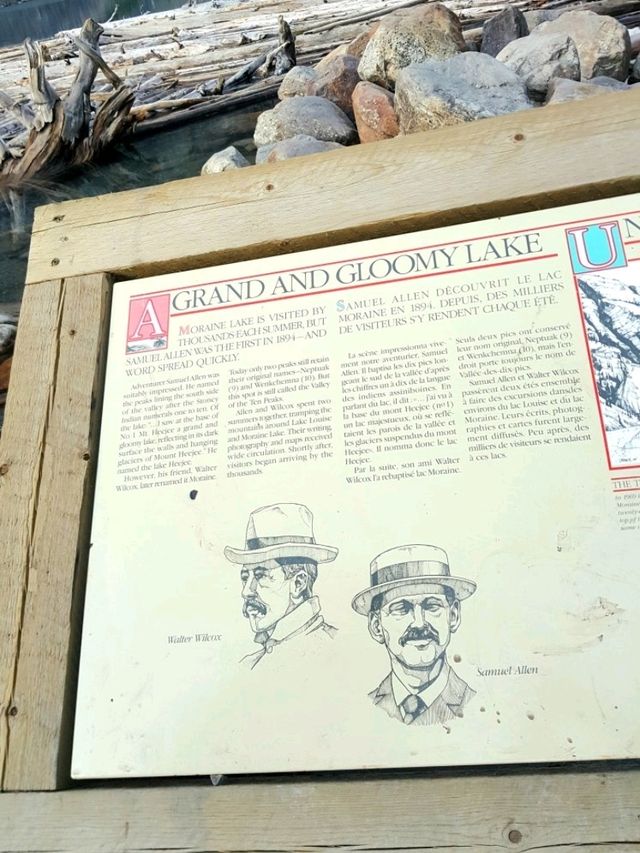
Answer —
(21, 444)
(48, 444)
(553, 811)
(537, 158)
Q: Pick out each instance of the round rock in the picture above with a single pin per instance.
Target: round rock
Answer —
(326, 61)
(297, 146)
(410, 36)
(357, 46)
(609, 83)
(223, 161)
(467, 87)
(298, 81)
(336, 82)
(503, 28)
(561, 91)
(539, 16)
(374, 112)
(541, 57)
(603, 44)
(308, 115)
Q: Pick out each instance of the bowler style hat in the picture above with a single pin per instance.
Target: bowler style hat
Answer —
(411, 566)
(280, 530)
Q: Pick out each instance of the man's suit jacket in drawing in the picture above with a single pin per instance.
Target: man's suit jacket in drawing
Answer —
(447, 706)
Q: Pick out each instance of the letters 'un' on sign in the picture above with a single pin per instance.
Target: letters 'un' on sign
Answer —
(374, 505)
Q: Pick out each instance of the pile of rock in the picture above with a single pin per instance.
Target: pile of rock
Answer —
(414, 71)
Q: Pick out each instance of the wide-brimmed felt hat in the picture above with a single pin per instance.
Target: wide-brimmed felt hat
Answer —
(277, 531)
(411, 567)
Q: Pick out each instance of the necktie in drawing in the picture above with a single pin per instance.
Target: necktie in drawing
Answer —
(412, 706)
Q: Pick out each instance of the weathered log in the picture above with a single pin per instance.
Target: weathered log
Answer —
(43, 95)
(140, 113)
(277, 61)
(285, 60)
(62, 134)
(207, 35)
(177, 64)
(77, 103)
(112, 122)
(90, 50)
(41, 151)
(22, 112)
(246, 72)
(16, 144)
(246, 97)
(469, 13)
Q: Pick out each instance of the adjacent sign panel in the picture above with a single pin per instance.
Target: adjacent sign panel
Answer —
(369, 506)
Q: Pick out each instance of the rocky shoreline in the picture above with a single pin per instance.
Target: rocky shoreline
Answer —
(414, 71)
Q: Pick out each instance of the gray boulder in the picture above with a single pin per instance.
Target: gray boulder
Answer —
(409, 36)
(609, 83)
(308, 115)
(298, 81)
(535, 18)
(635, 71)
(223, 161)
(603, 44)
(541, 57)
(467, 87)
(561, 91)
(296, 146)
(507, 26)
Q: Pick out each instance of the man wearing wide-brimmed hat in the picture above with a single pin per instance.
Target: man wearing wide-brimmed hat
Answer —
(413, 608)
(279, 568)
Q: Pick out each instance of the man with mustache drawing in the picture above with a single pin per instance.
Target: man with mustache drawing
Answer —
(413, 607)
(279, 569)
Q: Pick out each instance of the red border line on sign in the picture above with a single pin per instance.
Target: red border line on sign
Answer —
(414, 249)
(618, 491)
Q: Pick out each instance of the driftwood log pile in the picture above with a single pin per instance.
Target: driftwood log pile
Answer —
(59, 131)
(79, 92)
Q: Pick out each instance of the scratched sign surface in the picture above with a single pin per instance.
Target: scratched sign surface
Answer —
(376, 505)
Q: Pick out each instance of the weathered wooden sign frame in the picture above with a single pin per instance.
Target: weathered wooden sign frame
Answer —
(540, 158)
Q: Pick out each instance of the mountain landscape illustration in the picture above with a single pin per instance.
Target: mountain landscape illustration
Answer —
(611, 306)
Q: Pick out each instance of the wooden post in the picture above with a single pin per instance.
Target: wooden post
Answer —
(47, 455)
(478, 812)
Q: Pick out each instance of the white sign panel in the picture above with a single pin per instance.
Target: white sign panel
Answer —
(376, 505)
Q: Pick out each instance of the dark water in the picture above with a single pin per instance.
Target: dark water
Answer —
(166, 156)
(44, 18)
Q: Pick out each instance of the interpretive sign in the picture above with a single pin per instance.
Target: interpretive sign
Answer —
(372, 505)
